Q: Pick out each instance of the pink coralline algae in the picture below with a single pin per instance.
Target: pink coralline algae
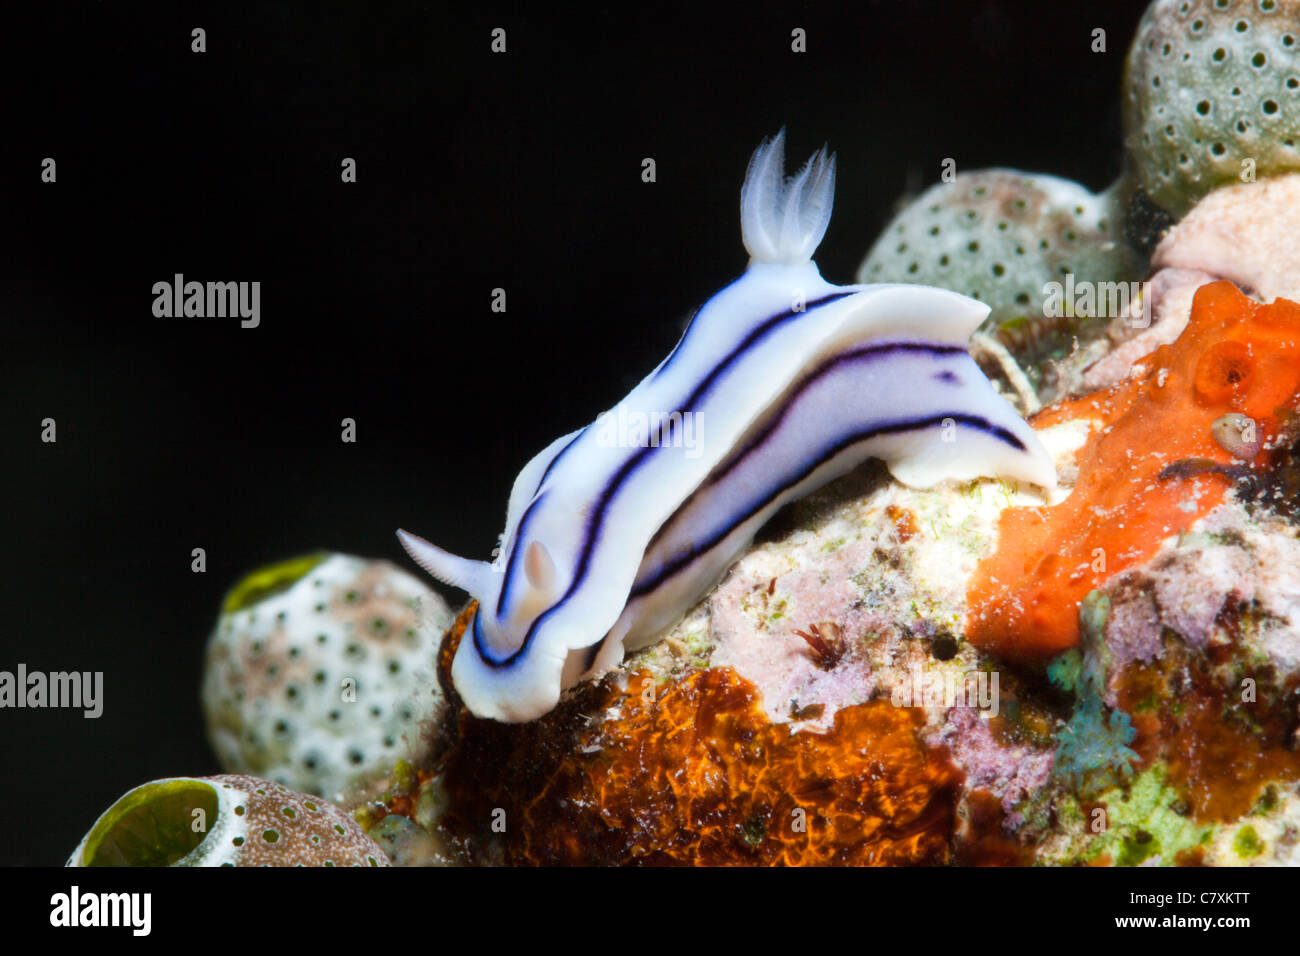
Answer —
(1013, 770)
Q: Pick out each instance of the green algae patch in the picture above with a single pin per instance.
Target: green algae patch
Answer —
(1146, 821)
(1093, 751)
(1247, 843)
(1065, 668)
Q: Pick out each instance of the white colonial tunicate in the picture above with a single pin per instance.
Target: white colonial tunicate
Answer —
(324, 683)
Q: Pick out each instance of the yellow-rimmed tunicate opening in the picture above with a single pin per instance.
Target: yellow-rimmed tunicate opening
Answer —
(157, 824)
(261, 584)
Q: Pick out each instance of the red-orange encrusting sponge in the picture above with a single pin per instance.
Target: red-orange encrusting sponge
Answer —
(694, 773)
(1146, 472)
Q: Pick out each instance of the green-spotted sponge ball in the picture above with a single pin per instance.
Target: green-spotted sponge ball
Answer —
(320, 672)
(1212, 89)
(226, 820)
(1000, 235)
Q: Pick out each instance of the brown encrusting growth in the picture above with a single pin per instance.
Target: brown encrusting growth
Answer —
(693, 772)
(1222, 751)
(981, 838)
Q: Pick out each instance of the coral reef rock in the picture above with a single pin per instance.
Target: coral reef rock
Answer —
(952, 675)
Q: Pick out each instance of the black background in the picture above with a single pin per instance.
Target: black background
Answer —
(474, 171)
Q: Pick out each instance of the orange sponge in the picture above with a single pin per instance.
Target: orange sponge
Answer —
(1154, 463)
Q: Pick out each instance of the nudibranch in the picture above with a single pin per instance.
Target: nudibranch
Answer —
(781, 382)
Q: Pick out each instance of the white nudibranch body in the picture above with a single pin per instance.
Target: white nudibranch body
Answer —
(788, 382)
